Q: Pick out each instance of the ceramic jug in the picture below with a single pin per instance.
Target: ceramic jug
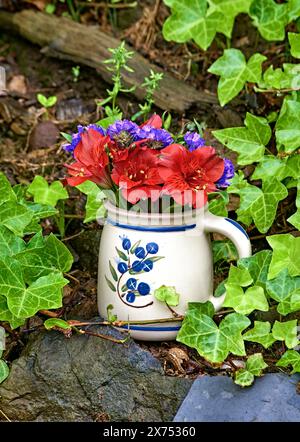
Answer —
(140, 252)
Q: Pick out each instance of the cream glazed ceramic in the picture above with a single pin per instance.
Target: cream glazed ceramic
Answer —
(140, 252)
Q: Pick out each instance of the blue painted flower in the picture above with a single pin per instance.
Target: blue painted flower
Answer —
(143, 288)
(130, 297)
(137, 266)
(140, 252)
(159, 137)
(152, 247)
(193, 141)
(147, 265)
(131, 284)
(76, 137)
(126, 244)
(227, 174)
(122, 267)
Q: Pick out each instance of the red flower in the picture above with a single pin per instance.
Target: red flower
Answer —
(154, 121)
(190, 176)
(138, 176)
(121, 154)
(91, 160)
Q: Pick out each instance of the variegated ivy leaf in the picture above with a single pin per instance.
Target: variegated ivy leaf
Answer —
(214, 342)
(94, 208)
(290, 357)
(288, 126)
(44, 193)
(50, 255)
(15, 217)
(294, 40)
(6, 192)
(4, 371)
(249, 141)
(293, 8)
(283, 289)
(218, 204)
(224, 251)
(239, 276)
(189, 21)
(229, 10)
(7, 316)
(168, 295)
(254, 366)
(295, 218)
(286, 254)
(259, 205)
(270, 18)
(287, 332)
(260, 333)
(245, 302)
(257, 266)
(287, 77)
(235, 71)
(268, 167)
(292, 168)
(23, 301)
(10, 244)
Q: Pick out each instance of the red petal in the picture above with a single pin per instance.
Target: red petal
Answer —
(155, 121)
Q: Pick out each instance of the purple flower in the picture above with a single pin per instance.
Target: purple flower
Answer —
(193, 141)
(76, 137)
(159, 137)
(227, 174)
(120, 126)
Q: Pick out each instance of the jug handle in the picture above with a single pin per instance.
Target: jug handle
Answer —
(235, 232)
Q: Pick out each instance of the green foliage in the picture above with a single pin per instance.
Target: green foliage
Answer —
(151, 84)
(254, 367)
(4, 370)
(290, 357)
(260, 333)
(224, 251)
(94, 208)
(235, 71)
(168, 295)
(46, 102)
(51, 323)
(44, 193)
(286, 255)
(270, 18)
(294, 40)
(31, 271)
(288, 126)
(75, 73)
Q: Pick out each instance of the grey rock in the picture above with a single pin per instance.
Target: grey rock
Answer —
(273, 398)
(86, 378)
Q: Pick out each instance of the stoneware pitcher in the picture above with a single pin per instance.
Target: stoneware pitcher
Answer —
(140, 252)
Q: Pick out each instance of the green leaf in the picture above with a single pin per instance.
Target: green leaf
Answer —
(113, 272)
(15, 217)
(245, 302)
(67, 137)
(294, 40)
(234, 71)
(229, 10)
(56, 322)
(260, 333)
(94, 208)
(218, 204)
(110, 284)
(286, 254)
(243, 378)
(288, 126)
(287, 332)
(168, 295)
(6, 192)
(40, 210)
(258, 266)
(10, 244)
(190, 21)
(270, 18)
(254, 367)
(7, 316)
(121, 254)
(293, 9)
(53, 256)
(4, 371)
(281, 290)
(239, 276)
(268, 167)
(249, 141)
(46, 102)
(203, 308)
(107, 121)
(285, 77)
(214, 343)
(290, 357)
(295, 218)
(47, 194)
(224, 251)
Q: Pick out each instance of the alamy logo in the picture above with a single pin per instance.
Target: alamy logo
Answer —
(2, 80)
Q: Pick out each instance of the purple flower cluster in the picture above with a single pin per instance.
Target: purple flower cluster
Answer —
(161, 136)
(193, 141)
(126, 126)
(227, 174)
(76, 137)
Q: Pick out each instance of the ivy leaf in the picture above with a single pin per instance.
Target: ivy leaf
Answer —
(47, 194)
(294, 40)
(249, 141)
(281, 290)
(270, 18)
(293, 9)
(268, 167)
(286, 77)
(4, 370)
(239, 276)
(51, 323)
(290, 357)
(190, 21)
(287, 332)
(38, 261)
(234, 71)
(295, 218)
(254, 367)
(218, 204)
(260, 333)
(15, 217)
(258, 266)
(224, 251)
(288, 126)
(202, 308)
(168, 295)
(10, 244)
(292, 168)
(229, 10)
(7, 316)
(94, 208)
(245, 302)
(286, 254)
(6, 192)
(214, 343)
(40, 210)
(2, 340)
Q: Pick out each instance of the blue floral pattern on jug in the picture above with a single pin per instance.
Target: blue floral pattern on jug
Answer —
(132, 260)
